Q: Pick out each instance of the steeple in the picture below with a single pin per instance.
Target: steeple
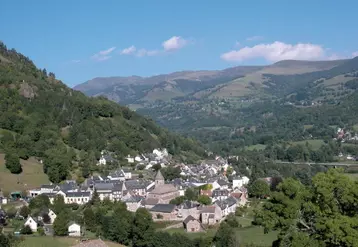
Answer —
(159, 179)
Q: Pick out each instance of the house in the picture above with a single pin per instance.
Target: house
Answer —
(133, 203)
(51, 214)
(3, 200)
(227, 206)
(224, 185)
(189, 208)
(191, 224)
(105, 158)
(220, 194)
(130, 159)
(77, 197)
(32, 223)
(210, 215)
(241, 198)
(163, 212)
(74, 230)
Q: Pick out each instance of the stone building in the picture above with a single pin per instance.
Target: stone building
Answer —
(164, 212)
(192, 225)
(163, 192)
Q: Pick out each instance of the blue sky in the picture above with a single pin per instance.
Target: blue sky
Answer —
(82, 39)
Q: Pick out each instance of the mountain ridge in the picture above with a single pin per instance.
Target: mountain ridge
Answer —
(139, 87)
(42, 117)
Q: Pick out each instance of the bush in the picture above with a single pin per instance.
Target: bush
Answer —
(41, 231)
(26, 230)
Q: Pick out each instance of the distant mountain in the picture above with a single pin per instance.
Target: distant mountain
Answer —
(238, 81)
(42, 117)
(232, 108)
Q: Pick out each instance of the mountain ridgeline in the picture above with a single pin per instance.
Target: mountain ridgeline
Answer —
(246, 105)
(42, 117)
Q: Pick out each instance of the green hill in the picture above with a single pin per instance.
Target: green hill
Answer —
(46, 119)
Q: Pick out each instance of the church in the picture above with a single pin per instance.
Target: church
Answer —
(163, 192)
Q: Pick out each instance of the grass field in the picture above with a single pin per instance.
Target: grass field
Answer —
(315, 144)
(31, 176)
(257, 147)
(34, 241)
(250, 234)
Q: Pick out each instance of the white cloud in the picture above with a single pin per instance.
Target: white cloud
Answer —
(355, 54)
(103, 55)
(144, 52)
(75, 61)
(174, 43)
(254, 38)
(129, 50)
(237, 44)
(276, 51)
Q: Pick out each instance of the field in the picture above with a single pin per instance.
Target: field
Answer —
(257, 147)
(55, 242)
(315, 144)
(250, 234)
(32, 176)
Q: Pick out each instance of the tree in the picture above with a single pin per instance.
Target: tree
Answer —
(156, 167)
(60, 226)
(58, 204)
(24, 211)
(89, 219)
(259, 189)
(26, 230)
(177, 200)
(12, 162)
(40, 202)
(323, 214)
(225, 236)
(204, 199)
(143, 228)
(95, 200)
(170, 172)
(191, 194)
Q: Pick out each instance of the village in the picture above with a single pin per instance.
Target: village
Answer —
(216, 194)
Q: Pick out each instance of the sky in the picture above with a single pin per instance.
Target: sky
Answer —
(83, 39)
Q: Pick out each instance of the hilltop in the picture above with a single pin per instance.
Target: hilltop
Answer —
(41, 117)
(247, 105)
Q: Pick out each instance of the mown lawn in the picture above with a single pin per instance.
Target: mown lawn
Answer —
(32, 176)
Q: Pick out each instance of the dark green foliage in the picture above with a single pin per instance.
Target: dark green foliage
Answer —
(225, 236)
(178, 200)
(26, 230)
(58, 204)
(24, 211)
(204, 199)
(50, 120)
(323, 214)
(60, 226)
(89, 219)
(259, 189)
(143, 229)
(12, 162)
(191, 194)
(39, 202)
(170, 172)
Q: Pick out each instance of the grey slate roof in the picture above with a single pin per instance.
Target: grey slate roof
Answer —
(159, 176)
(187, 219)
(78, 194)
(163, 208)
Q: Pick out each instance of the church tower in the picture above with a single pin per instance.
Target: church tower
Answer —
(159, 179)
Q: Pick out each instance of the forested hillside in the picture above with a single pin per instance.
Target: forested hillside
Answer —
(42, 117)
